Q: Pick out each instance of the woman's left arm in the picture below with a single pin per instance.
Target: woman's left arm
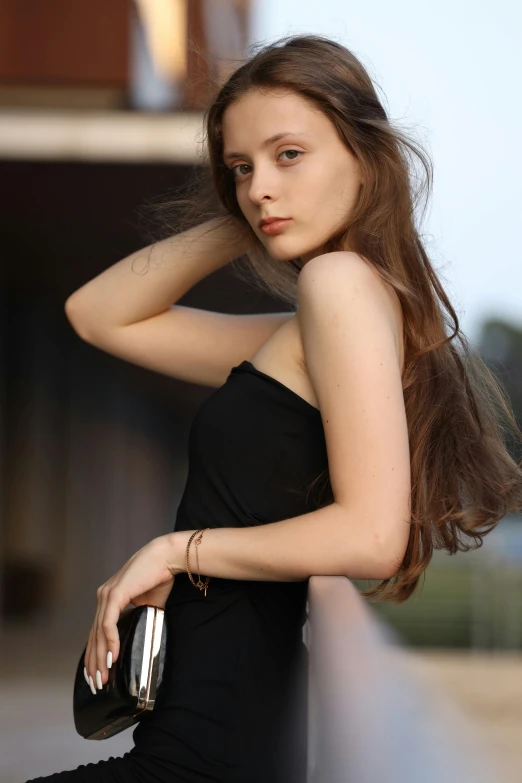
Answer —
(351, 341)
(329, 541)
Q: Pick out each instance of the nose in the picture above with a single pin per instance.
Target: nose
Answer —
(263, 185)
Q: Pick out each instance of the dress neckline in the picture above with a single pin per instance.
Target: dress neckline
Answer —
(247, 365)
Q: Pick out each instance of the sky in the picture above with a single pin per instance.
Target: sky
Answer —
(449, 72)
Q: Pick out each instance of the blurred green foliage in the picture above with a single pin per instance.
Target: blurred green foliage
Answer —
(470, 599)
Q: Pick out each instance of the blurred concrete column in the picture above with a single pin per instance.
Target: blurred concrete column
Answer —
(158, 49)
(226, 26)
(32, 504)
(3, 380)
(180, 48)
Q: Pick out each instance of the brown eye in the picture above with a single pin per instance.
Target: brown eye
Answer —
(237, 175)
(285, 152)
(232, 169)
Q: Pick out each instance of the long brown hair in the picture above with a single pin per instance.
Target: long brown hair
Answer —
(463, 477)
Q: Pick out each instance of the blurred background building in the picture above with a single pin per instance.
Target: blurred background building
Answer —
(100, 114)
(100, 107)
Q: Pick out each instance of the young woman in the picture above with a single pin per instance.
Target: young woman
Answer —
(350, 435)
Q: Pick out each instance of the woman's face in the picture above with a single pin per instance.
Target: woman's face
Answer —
(307, 175)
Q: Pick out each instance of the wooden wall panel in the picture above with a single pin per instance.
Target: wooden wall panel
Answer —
(59, 42)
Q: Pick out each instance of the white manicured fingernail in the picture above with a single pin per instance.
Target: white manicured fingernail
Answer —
(91, 686)
(109, 659)
(98, 680)
(85, 675)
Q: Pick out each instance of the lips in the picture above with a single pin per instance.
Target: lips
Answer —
(275, 225)
(266, 221)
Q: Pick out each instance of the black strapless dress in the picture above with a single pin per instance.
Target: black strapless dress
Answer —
(233, 703)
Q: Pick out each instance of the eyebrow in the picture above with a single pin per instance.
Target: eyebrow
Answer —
(265, 143)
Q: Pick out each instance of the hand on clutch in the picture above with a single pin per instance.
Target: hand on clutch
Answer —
(144, 579)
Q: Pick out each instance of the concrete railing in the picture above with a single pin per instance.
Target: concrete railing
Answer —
(372, 718)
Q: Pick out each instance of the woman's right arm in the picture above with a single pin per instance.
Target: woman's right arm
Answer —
(128, 310)
(150, 280)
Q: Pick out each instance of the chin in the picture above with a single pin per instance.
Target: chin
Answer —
(279, 253)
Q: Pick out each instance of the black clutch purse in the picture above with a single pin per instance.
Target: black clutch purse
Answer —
(134, 678)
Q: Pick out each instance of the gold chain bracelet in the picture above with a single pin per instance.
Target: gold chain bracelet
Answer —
(201, 585)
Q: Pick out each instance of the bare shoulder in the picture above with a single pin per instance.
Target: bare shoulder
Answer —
(343, 268)
(332, 280)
